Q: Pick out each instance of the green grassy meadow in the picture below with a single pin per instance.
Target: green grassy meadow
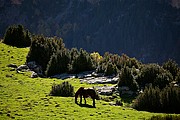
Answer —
(22, 97)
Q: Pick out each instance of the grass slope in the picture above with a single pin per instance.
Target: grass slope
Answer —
(22, 97)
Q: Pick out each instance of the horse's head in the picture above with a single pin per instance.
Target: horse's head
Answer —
(79, 91)
(97, 97)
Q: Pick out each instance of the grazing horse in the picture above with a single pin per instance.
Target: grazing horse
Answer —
(86, 92)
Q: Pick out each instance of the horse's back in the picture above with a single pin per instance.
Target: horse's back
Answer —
(89, 92)
(86, 92)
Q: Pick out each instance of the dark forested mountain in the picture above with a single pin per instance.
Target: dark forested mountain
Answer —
(146, 29)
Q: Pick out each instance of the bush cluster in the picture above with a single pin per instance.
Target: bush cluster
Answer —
(112, 63)
(54, 58)
(64, 89)
(153, 99)
(17, 36)
(42, 48)
(155, 74)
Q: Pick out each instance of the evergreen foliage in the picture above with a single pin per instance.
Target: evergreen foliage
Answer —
(153, 99)
(58, 63)
(110, 69)
(54, 58)
(178, 77)
(73, 54)
(172, 67)
(42, 48)
(17, 36)
(82, 62)
(118, 62)
(64, 89)
(155, 74)
(126, 78)
(101, 68)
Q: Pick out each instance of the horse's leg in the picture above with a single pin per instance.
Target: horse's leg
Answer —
(84, 100)
(76, 100)
(94, 103)
(80, 99)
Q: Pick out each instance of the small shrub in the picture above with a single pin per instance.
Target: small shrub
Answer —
(64, 89)
(17, 36)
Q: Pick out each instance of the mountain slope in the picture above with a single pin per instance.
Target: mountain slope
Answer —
(22, 97)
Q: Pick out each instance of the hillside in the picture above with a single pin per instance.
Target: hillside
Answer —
(147, 30)
(22, 97)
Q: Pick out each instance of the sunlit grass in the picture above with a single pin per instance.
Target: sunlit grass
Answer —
(22, 97)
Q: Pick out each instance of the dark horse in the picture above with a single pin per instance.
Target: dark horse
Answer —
(82, 92)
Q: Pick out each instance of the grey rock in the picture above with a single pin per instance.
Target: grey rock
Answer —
(99, 80)
(22, 68)
(124, 90)
(105, 90)
(34, 75)
(32, 64)
(36, 68)
(64, 76)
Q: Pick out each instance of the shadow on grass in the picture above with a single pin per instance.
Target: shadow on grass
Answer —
(86, 105)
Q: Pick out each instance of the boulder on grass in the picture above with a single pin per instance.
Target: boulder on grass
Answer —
(22, 68)
(34, 75)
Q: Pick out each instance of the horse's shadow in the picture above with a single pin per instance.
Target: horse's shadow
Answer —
(86, 105)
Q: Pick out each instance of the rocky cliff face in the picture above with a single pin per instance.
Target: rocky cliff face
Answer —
(146, 29)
